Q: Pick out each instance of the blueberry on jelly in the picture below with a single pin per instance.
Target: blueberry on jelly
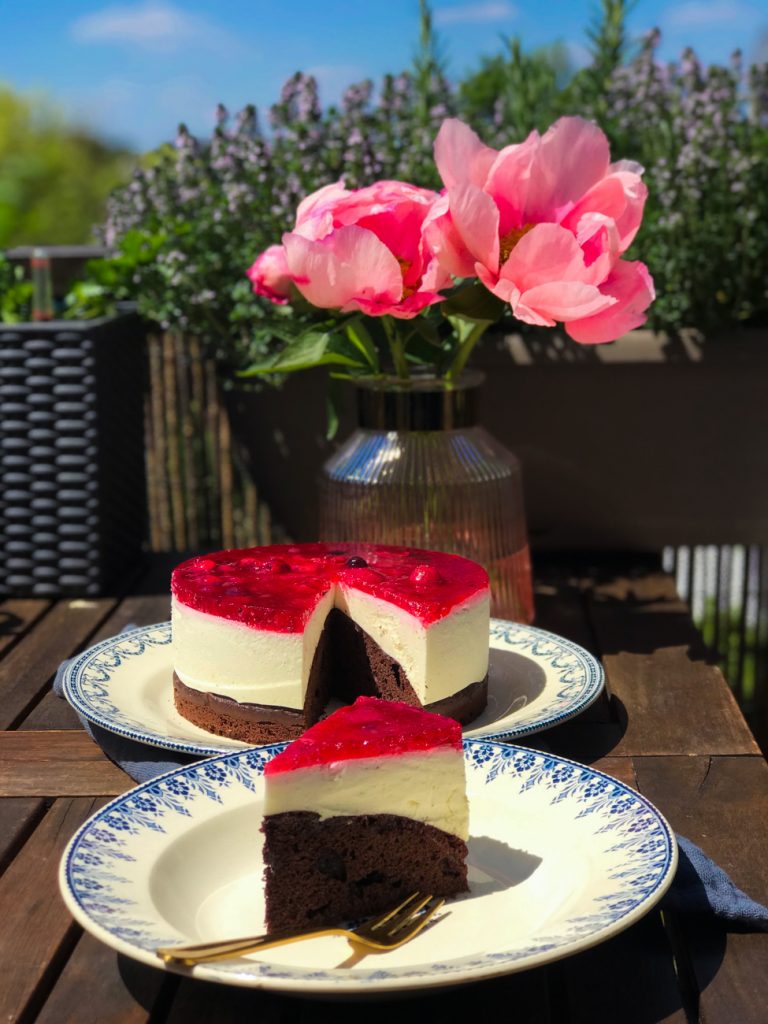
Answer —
(277, 565)
(356, 562)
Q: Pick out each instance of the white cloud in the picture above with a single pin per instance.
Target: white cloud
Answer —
(493, 10)
(710, 14)
(153, 25)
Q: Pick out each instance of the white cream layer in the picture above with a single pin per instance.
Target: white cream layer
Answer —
(250, 665)
(428, 786)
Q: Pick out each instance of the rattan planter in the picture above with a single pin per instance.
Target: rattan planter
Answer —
(72, 491)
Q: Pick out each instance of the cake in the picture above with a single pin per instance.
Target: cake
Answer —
(264, 637)
(367, 807)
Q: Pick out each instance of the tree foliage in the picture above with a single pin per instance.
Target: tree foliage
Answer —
(54, 177)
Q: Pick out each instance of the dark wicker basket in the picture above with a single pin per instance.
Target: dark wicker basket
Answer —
(72, 490)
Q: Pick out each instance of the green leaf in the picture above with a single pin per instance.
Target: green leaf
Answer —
(360, 337)
(425, 330)
(473, 302)
(424, 352)
(311, 349)
(332, 400)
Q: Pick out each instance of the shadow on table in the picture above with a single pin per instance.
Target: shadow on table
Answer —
(9, 623)
(589, 736)
(631, 977)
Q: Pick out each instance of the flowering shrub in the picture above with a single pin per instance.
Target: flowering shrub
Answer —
(702, 135)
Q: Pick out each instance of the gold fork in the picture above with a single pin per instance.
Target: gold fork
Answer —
(387, 931)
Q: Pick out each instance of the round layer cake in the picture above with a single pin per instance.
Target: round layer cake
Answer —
(264, 637)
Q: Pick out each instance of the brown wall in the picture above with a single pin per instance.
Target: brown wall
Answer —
(635, 445)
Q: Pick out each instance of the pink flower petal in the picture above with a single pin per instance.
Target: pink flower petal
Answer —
(435, 276)
(631, 287)
(400, 231)
(442, 239)
(545, 254)
(530, 316)
(509, 180)
(501, 287)
(270, 275)
(572, 156)
(405, 310)
(382, 197)
(620, 196)
(350, 264)
(599, 240)
(632, 166)
(564, 300)
(476, 220)
(461, 156)
(314, 216)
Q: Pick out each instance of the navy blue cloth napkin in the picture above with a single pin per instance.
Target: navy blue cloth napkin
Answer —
(700, 886)
(139, 760)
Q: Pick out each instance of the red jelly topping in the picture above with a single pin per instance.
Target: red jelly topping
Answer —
(368, 728)
(278, 587)
(426, 576)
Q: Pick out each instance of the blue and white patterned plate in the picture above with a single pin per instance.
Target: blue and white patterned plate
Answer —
(123, 684)
(561, 857)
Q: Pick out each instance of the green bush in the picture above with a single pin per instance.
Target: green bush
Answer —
(54, 178)
(15, 293)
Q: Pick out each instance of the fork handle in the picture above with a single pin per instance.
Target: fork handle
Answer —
(205, 952)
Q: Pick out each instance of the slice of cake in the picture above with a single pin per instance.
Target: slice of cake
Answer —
(366, 807)
(263, 637)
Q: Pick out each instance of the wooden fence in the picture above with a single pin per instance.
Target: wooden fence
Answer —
(199, 493)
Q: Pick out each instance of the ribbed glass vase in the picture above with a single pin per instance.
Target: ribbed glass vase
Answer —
(421, 472)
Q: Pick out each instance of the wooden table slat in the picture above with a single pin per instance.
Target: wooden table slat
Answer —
(634, 971)
(36, 925)
(668, 698)
(53, 712)
(27, 669)
(96, 986)
(18, 818)
(56, 764)
(17, 615)
(721, 804)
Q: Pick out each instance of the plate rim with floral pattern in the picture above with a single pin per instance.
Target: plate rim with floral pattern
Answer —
(89, 685)
(102, 870)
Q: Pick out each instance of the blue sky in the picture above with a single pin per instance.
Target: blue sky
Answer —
(133, 69)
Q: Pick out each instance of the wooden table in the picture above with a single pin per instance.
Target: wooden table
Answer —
(668, 726)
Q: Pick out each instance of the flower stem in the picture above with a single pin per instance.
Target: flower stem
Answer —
(396, 347)
(465, 349)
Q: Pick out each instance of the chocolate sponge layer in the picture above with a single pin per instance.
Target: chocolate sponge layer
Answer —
(328, 871)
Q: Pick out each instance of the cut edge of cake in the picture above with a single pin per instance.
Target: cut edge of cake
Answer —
(368, 806)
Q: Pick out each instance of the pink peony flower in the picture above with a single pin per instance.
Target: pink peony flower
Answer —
(270, 275)
(543, 225)
(365, 250)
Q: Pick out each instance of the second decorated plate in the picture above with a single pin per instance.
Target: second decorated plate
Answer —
(536, 680)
